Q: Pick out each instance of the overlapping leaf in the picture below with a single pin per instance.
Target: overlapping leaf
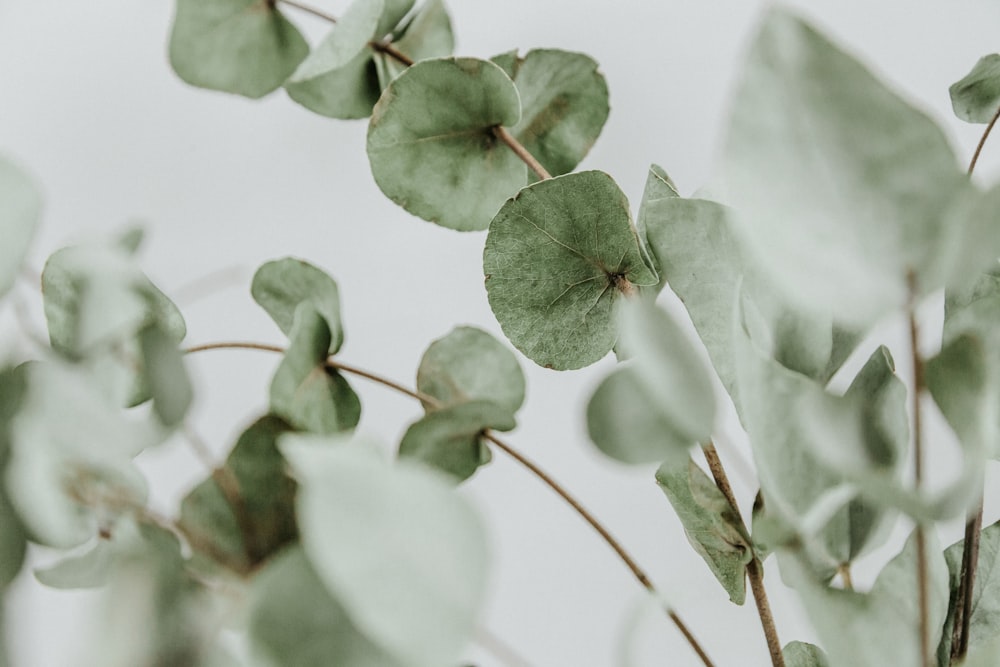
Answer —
(976, 96)
(801, 654)
(19, 214)
(403, 554)
(432, 147)
(245, 47)
(844, 190)
(427, 34)
(558, 257)
(712, 525)
(280, 286)
(984, 623)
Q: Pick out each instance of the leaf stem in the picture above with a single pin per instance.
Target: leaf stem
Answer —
(918, 455)
(755, 568)
(520, 151)
(532, 467)
(966, 585)
(982, 141)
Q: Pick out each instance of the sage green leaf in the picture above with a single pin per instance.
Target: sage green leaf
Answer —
(19, 215)
(450, 439)
(564, 105)
(13, 540)
(712, 525)
(392, 16)
(168, 381)
(305, 391)
(469, 364)
(801, 654)
(427, 34)
(246, 47)
(244, 512)
(659, 186)
(698, 251)
(558, 257)
(976, 96)
(962, 378)
(843, 189)
(629, 424)
(984, 655)
(880, 627)
(984, 623)
(94, 567)
(70, 468)
(975, 309)
(403, 554)
(296, 622)
(338, 79)
(431, 143)
(280, 286)
(508, 61)
(668, 367)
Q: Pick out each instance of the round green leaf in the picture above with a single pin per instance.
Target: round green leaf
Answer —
(245, 47)
(557, 258)
(403, 553)
(468, 365)
(431, 143)
(450, 439)
(564, 105)
(801, 654)
(976, 96)
(281, 285)
(427, 35)
(20, 208)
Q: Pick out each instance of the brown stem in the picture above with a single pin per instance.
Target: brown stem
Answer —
(844, 570)
(520, 151)
(982, 141)
(626, 558)
(388, 49)
(967, 583)
(755, 569)
(923, 594)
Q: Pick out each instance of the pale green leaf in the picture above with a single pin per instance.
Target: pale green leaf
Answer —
(13, 389)
(962, 378)
(881, 627)
(294, 621)
(801, 654)
(843, 189)
(281, 285)
(469, 364)
(984, 623)
(450, 439)
(20, 210)
(427, 34)
(984, 655)
(165, 375)
(403, 554)
(305, 391)
(392, 15)
(244, 512)
(564, 104)
(712, 525)
(348, 37)
(431, 143)
(976, 96)
(558, 257)
(245, 47)
(508, 61)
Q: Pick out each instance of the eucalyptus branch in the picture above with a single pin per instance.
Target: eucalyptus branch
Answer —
(755, 568)
(923, 592)
(982, 141)
(532, 467)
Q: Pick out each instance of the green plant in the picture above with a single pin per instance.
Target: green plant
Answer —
(299, 513)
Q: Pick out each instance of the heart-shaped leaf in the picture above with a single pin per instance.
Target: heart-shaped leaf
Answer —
(976, 96)
(245, 47)
(558, 257)
(19, 213)
(432, 147)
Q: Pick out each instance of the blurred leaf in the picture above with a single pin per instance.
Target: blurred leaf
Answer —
(305, 391)
(984, 623)
(245, 47)
(245, 512)
(801, 654)
(71, 468)
(843, 188)
(431, 143)
(450, 439)
(712, 526)
(169, 384)
(13, 541)
(427, 34)
(469, 364)
(976, 96)
(558, 257)
(985, 655)
(403, 554)
(296, 622)
(280, 286)
(962, 378)
(564, 104)
(19, 216)
(880, 627)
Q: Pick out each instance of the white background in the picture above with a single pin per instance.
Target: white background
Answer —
(90, 106)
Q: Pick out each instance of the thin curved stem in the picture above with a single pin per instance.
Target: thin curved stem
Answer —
(527, 463)
(504, 135)
(755, 568)
(982, 141)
